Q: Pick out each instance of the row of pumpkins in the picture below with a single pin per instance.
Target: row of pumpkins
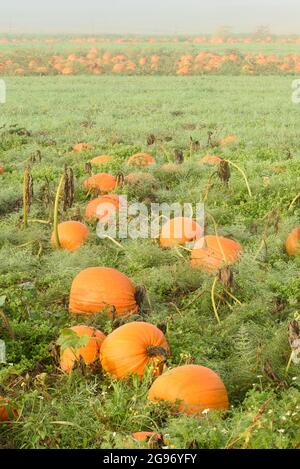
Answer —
(133, 347)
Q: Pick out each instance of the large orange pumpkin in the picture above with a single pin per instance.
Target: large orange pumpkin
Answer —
(89, 353)
(102, 289)
(292, 244)
(71, 234)
(103, 182)
(213, 252)
(192, 388)
(210, 160)
(179, 230)
(102, 207)
(7, 413)
(101, 159)
(141, 159)
(132, 347)
(79, 147)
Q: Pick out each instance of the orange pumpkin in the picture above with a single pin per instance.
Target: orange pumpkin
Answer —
(102, 207)
(102, 181)
(71, 234)
(81, 146)
(179, 230)
(89, 353)
(141, 159)
(1, 170)
(7, 413)
(191, 388)
(146, 436)
(102, 289)
(213, 252)
(132, 347)
(228, 140)
(210, 160)
(101, 159)
(292, 244)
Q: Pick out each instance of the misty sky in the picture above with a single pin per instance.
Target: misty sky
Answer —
(147, 16)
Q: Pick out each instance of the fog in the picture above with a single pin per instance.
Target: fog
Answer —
(147, 16)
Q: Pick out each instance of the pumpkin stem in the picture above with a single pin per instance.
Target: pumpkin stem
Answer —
(156, 351)
(120, 180)
(243, 174)
(56, 206)
(140, 294)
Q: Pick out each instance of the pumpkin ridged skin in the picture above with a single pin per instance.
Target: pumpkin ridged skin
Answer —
(194, 387)
(104, 182)
(100, 159)
(72, 235)
(91, 209)
(292, 244)
(125, 350)
(141, 159)
(207, 255)
(7, 413)
(179, 230)
(100, 289)
(89, 352)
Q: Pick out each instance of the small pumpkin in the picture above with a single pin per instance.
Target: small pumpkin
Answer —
(147, 436)
(229, 139)
(141, 159)
(103, 182)
(1, 169)
(210, 160)
(213, 252)
(179, 230)
(102, 289)
(7, 412)
(132, 347)
(101, 159)
(102, 207)
(72, 234)
(89, 352)
(292, 244)
(79, 147)
(191, 388)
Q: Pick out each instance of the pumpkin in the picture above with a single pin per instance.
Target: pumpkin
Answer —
(132, 347)
(102, 207)
(7, 413)
(292, 244)
(1, 170)
(139, 178)
(101, 159)
(100, 289)
(104, 182)
(71, 234)
(89, 352)
(81, 146)
(228, 140)
(146, 436)
(141, 159)
(213, 252)
(179, 230)
(191, 388)
(210, 160)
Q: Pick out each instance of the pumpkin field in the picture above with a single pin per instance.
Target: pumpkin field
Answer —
(169, 342)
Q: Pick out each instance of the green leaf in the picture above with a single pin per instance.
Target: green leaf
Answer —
(69, 339)
(2, 301)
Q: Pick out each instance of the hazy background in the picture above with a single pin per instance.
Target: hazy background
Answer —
(147, 16)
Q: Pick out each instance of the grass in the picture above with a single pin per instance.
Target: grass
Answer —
(115, 115)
